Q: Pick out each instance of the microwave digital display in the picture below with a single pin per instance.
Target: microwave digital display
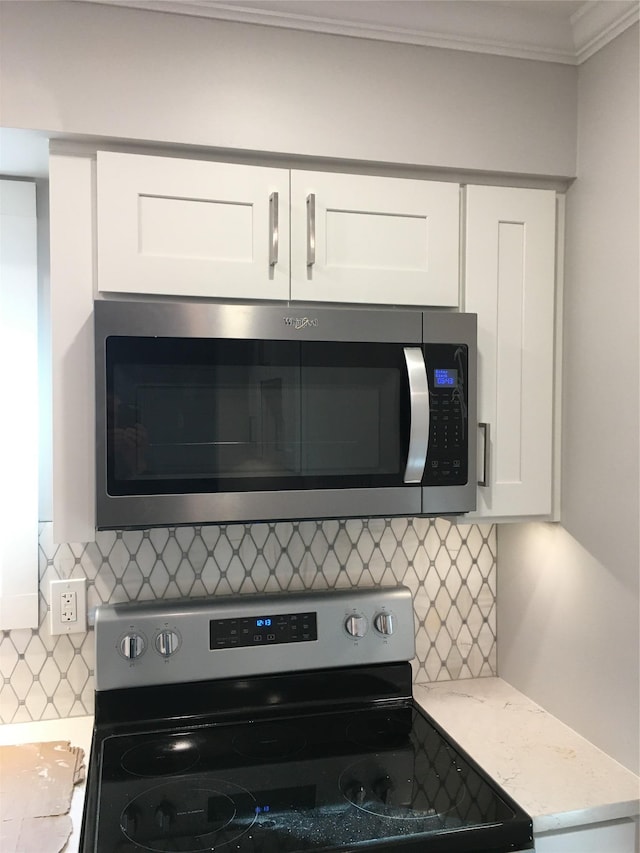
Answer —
(445, 377)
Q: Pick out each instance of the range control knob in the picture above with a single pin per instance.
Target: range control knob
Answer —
(356, 625)
(167, 643)
(384, 623)
(132, 646)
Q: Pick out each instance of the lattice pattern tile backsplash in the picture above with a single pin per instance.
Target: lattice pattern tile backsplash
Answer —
(450, 569)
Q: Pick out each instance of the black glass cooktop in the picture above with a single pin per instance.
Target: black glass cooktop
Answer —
(376, 778)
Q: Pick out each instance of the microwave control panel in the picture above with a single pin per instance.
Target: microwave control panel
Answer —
(448, 419)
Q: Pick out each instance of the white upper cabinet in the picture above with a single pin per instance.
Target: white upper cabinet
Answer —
(510, 284)
(356, 238)
(200, 228)
(192, 228)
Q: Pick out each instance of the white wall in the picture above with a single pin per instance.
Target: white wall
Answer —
(568, 636)
(77, 68)
(600, 406)
(568, 598)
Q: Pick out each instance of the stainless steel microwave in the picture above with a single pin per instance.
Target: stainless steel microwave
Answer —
(211, 412)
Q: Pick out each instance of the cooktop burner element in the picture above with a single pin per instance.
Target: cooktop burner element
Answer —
(201, 815)
(162, 757)
(292, 754)
(368, 786)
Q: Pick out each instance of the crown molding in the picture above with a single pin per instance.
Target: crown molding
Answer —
(511, 29)
(595, 24)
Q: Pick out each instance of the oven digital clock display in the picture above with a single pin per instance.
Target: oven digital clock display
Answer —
(263, 630)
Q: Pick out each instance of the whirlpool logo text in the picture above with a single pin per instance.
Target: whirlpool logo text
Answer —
(301, 322)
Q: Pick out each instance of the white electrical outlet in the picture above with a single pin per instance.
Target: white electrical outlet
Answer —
(68, 613)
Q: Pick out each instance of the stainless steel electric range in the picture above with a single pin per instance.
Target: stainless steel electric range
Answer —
(277, 724)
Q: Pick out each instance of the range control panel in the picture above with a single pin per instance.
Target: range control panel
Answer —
(179, 641)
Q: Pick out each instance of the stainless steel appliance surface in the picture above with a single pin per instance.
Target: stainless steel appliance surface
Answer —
(278, 723)
(209, 412)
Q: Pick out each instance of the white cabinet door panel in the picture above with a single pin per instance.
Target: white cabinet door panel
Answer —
(191, 228)
(19, 432)
(612, 837)
(376, 240)
(510, 284)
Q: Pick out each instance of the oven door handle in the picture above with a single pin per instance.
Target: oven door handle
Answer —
(419, 406)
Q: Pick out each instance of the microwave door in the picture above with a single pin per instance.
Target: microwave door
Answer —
(419, 414)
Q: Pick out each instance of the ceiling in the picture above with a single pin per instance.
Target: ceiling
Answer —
(566, 31)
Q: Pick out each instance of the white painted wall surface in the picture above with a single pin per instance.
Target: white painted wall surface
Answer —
(568, 598)
(600, 448)
(568, 635)
(77, 68)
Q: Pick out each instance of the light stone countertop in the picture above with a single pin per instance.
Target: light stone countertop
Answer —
(78, 731)
(558, 777)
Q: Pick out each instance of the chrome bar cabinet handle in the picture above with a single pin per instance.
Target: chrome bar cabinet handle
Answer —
(419, 401)
(273, 229)
(486, 457)
(311, 229)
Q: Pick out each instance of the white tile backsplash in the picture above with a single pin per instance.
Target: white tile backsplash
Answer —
(450, 569)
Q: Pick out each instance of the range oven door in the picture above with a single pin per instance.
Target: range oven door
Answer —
(224, 426)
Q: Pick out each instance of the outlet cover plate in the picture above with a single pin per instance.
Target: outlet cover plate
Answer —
(56, 591)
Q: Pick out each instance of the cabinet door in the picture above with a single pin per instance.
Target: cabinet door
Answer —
(192, 228)
(510, 284)
(19, 425)
(620, 836)
(356, 238)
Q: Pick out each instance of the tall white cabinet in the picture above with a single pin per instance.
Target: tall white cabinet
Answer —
(509, 281)
(20, 412)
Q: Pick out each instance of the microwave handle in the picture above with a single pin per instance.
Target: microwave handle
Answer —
(419, 403)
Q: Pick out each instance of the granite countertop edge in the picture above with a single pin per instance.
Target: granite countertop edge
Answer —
(558, 777)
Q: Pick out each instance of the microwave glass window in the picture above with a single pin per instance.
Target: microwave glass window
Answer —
(211, 415)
